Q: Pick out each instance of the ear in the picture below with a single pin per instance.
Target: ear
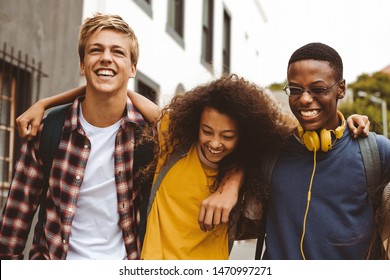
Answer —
(341, 90)
(82, 71)
(133, 70)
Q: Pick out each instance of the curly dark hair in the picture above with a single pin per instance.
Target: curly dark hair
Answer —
(260, 120)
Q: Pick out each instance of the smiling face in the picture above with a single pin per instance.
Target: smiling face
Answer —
(218, 135)
(107, 64)
(315, 112)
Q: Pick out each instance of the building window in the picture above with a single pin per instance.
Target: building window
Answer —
(19, 81)
(146, 87)
(7, 124)
(226, 42)
(180, 89)
(175, 23)
(207, 31)
(146, 6)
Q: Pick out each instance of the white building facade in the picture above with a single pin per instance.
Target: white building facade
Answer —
(184, 43)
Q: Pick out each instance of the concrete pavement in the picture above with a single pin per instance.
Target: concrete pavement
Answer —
(243, 250)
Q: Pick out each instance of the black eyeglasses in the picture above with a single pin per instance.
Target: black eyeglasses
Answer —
(295, 91)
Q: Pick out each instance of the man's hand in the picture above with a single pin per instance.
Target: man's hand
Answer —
(359, 125)
(216, 208)
(28, 122)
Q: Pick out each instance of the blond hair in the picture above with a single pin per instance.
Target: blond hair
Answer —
(104, 21)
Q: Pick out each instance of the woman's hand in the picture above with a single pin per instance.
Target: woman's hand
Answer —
(28, 122)
(359, 125)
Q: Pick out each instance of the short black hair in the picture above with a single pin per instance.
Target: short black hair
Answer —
(320, 52)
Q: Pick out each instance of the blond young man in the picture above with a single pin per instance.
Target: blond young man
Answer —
(92, 205)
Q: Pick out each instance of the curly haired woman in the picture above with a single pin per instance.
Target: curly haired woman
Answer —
(228, 124)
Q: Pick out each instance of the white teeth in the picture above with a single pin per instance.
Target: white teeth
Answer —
(310, 113)
(214, 151)
(104, 72)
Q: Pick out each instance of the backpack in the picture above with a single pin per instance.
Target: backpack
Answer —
(50, 139)
(372, 166)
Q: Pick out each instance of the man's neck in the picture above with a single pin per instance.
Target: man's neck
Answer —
(102, 110)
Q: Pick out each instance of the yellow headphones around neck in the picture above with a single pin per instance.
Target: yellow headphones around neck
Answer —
(313, 142)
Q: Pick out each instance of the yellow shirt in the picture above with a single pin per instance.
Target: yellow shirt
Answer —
(172, 227)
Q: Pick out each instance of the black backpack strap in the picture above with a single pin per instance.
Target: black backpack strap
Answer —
(259, 247)
(371, 160)
(267, 166)
(48, 145)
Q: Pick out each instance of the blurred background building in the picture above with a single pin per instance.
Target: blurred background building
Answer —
(38, 57)
(184, 43)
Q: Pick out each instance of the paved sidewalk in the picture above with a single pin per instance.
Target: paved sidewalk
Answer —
(243, 250)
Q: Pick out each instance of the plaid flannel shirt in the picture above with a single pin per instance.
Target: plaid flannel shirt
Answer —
(65, 180)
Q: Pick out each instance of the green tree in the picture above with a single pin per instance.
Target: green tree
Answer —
(378, 85)
(277, 86)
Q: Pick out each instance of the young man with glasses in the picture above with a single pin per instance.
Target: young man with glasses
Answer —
(319, 206)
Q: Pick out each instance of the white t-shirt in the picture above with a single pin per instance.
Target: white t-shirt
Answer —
(96, 233)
